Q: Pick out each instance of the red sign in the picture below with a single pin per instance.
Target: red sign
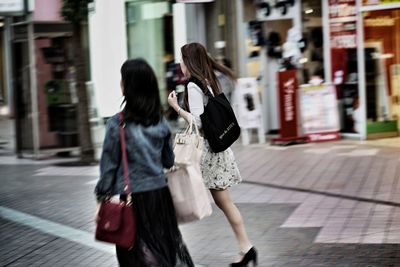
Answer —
(287, 82)
(288, 103)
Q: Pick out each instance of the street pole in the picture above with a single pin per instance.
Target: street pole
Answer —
(33, 86)
(241, 33)
(8, 64)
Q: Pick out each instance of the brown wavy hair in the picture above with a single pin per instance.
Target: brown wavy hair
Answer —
(202, 67)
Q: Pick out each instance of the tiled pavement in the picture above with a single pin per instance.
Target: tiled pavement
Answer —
(332, 204)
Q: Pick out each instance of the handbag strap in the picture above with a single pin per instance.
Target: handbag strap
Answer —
(210, 92)
(127, 187)
(189, 128)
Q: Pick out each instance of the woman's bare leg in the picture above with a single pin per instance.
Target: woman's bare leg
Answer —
(224, 202)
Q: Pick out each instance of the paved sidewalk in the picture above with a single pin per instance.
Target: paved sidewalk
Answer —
(332, 204)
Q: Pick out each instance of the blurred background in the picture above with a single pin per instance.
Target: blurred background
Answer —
(60, 61)
(324, 75)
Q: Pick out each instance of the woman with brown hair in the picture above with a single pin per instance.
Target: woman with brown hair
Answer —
(219, 170)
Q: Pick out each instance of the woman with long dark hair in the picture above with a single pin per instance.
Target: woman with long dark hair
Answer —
(149, 151)
(219, 170)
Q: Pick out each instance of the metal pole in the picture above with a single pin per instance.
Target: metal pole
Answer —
(241, 33)
(362, 97)
(8, 64)
(33, 86)
(327, 44)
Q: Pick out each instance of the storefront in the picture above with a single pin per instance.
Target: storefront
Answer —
(278, 37)
(363, 61)
(353, 45)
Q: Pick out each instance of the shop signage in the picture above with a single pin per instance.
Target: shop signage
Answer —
(342, 22)
(11, 6)
(288, 103)
(342, 8)
(343, 35)
(287, 86)
(249, 106)
(319, 112)
(382, 21)
(379, 2)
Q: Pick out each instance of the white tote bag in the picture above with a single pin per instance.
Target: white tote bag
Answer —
(189, 194)
(188, 146)
(185, 182)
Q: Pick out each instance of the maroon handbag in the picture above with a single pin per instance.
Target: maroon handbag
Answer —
(117, 222)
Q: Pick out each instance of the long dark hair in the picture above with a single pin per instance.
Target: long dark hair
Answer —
(141, 95)
(202, 67)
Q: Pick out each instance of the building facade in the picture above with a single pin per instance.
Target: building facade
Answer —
(39, 77)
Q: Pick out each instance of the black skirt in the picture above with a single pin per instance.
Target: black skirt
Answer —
(158, 239)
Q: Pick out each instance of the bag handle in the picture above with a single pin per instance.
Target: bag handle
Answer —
(189, 129)
(127, 187)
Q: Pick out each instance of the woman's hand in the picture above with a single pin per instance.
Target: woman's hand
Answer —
(173, 100)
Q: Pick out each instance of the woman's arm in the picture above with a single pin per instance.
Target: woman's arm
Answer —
(167, 155)
(110, 159)
(196, 105)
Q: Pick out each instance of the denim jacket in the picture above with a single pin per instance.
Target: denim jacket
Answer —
(149, 150)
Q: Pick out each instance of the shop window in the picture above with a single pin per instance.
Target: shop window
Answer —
(149, 25)
(344, 66)
(313, 62)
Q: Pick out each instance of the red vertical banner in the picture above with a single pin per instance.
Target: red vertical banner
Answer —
(287, 93)
(287, 81)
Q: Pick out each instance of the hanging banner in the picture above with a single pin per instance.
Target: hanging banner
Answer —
(287, 86)
(319, 112)
(288, 103)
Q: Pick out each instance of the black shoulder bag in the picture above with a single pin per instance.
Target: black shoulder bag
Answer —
(220, 125)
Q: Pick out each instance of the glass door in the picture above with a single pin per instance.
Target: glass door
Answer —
(382, 72)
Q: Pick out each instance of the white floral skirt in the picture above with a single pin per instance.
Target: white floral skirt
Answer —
(219, 170)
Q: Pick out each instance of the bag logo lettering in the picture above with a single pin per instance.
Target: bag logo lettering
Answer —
(227, 130)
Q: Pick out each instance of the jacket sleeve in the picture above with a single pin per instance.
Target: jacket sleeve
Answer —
(196, 104)
(110, 160)
(167, 155)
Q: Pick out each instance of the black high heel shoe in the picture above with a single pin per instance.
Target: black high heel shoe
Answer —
(250, 256)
